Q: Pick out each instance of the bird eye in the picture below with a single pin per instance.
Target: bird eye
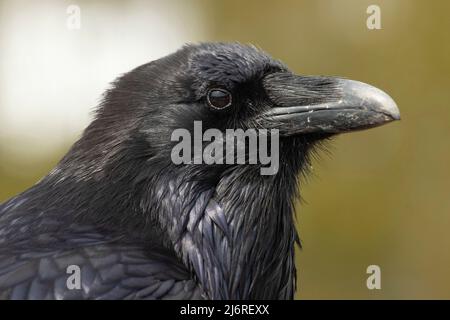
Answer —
(219, 98)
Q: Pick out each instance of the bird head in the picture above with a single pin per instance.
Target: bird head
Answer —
(228, 223)
(234, 86)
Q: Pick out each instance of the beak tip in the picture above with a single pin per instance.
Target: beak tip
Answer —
(397, 117)
(390, 109)
(372, 98)
(387, 105)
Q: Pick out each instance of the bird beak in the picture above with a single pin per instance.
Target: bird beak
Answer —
(325, 104)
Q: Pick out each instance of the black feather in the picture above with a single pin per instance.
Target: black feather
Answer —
(140, 227)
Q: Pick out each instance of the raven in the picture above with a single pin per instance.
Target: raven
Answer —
(119, 214)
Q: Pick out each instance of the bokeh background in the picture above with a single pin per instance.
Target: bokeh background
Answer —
(381, 197)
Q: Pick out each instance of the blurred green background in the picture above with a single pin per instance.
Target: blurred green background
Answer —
(381, 197)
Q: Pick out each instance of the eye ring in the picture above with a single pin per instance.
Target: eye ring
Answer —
(219, 98)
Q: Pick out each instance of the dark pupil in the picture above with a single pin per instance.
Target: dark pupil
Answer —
(219, 98)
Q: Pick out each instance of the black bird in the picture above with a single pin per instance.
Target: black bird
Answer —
(139, 226)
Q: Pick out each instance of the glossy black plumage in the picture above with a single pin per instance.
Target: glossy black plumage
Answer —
(141, 227)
